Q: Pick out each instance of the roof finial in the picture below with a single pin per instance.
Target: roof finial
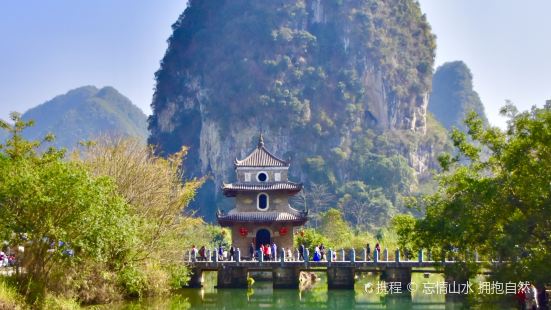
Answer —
(260, 140)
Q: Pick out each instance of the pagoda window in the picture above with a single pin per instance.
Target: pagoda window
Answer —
(262, 176)
(262, 202)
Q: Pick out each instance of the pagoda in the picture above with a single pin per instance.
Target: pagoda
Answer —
(262, 213)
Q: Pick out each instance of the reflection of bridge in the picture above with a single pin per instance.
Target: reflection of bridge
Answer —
(263, 296)
(340, 273)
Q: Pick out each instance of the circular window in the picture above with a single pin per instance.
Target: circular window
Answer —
(263, 201)
(262, 176)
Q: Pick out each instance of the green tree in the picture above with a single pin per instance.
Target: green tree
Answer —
(101, 224)
(310, 238)
(153, 187)
(404, 226)
(336, 229)
(368, 208)
(499, 205)
(63, 215)
(319, 199)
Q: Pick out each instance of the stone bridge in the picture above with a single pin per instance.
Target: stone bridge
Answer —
(341, 269)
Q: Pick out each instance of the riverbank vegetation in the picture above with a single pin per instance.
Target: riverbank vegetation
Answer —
(96, 226)
(494, 197)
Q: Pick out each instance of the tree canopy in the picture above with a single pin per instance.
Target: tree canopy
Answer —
(499, 203)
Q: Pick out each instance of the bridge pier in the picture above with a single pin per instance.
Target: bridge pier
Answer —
(340, 277)
(232, 277)
(196, 280)
(285, 277)
(398, 274)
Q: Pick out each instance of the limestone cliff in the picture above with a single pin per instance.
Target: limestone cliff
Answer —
(337, 86)
(453, 95)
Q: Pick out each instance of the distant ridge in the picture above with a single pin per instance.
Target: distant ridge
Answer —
(85, 113)
(453, 96)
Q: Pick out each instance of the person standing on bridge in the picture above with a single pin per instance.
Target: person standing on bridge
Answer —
(268, 253)
(317, 255)
(301, 252)
(221, 252)
(193, 252)
(232, 253)
(322, 252)
(251, 251)
(274, 251)
(378, 249)
(202, 253)
(368, 252)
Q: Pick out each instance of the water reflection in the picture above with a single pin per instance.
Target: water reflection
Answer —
(262, 296)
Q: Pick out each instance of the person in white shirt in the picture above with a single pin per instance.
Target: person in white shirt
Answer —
(531, 297)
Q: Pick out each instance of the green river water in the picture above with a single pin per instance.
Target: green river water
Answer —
(262, 296)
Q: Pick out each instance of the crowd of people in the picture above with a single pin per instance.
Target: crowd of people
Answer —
(270, 252)
(7, 260)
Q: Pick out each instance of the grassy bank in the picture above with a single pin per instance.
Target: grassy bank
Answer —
(9, 297)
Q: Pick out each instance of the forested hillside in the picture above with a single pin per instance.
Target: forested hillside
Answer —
(84, 114)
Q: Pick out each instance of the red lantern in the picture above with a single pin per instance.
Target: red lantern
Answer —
(243, 231)
(283, 231)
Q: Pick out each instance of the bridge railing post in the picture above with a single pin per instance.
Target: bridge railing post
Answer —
(194, 256)
(343, 258)
(237, 255)
(297, 255)
(385, 255)
(216, 258)
(364, 255)
(397, 256)
(352, 255)
(376, 256)
(476, 256)
(306, 255)
(420, 256)
(209, 257)
(330, 256)
(260, 256)
(282, 256)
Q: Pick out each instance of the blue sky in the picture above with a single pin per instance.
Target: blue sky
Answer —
(50, 47)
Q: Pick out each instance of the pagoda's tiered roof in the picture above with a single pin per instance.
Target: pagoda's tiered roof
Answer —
(230, 190)
(262, 217)
(261, 157)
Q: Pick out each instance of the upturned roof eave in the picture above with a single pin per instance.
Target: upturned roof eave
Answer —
(233, 192)
(225, 222)
(261, 148)
(230, 191)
